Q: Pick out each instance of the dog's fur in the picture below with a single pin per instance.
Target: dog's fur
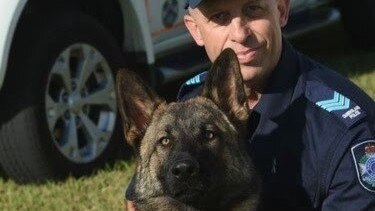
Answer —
(191, 155)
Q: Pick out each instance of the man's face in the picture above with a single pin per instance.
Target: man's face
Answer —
(252, 28)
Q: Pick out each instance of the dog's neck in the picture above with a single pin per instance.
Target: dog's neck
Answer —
(234, 196)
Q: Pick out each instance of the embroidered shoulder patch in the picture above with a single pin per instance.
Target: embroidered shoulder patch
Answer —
(334, 102)
(190, 84)
(364, 160)
(198, 79)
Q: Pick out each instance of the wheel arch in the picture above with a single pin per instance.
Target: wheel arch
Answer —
(11, 12)
(137, 31)
(129, 27)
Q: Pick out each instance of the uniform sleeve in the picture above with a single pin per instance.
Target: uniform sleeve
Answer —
(346, 190)
(192, 87)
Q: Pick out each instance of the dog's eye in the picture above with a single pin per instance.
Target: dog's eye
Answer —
(165, 141)
(209, 134)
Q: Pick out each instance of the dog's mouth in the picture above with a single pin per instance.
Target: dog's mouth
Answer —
(189, 190)
(188, 195)
(183, 190)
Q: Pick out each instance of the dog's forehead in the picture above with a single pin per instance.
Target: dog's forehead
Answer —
(196, 107)
(193, 111)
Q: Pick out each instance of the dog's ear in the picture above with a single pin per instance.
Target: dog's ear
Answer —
(136, 102)
(224, 85)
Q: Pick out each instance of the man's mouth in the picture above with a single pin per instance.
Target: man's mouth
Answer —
(245, 57)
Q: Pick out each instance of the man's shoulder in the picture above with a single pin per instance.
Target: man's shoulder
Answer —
(331, 95)
(192, 87)
(341, 122)
(337, 96)
(335, 104)
(315, 71)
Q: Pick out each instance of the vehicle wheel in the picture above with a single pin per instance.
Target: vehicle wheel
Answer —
(60, 116)
(359, 21)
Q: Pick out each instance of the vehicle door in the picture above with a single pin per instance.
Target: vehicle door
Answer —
(166, 20)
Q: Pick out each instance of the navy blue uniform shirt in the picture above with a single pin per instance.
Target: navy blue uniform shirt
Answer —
(311, 129)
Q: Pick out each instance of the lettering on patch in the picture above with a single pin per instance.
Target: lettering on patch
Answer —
(352, 113)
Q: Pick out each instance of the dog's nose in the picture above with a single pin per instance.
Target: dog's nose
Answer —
(184, 170)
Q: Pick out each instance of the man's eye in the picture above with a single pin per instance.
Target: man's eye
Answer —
(220, 18)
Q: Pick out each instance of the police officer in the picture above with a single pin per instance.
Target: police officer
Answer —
(312, 130)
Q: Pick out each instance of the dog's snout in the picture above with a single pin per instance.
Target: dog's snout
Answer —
(185, 169)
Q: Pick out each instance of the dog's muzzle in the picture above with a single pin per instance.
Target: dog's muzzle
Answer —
(185, 169)
(183, 179)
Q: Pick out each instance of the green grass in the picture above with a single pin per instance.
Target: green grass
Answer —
(366, 81)
(105, 189)
(102, 191)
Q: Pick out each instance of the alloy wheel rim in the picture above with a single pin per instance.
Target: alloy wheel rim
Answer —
(80, 103)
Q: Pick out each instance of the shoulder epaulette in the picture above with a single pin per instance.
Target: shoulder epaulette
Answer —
(191, 84)
(334, 102)
(198, 79)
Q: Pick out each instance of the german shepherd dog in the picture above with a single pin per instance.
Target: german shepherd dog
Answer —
(191, 155)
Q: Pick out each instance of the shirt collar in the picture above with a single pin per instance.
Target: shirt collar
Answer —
(279, 92)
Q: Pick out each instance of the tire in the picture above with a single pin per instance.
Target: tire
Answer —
(56, 120)
(359, 21)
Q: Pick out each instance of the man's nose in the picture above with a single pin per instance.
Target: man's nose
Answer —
(239, 30)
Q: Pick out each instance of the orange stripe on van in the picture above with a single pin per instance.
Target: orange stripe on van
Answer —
(163, 30)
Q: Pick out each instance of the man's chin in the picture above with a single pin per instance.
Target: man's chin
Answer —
(249, 72)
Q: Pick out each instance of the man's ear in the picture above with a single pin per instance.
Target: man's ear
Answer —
(224, 86)
(284, 7)
(192, 26)
(136, 104)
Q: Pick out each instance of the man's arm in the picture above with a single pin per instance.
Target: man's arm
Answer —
(353, 184)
